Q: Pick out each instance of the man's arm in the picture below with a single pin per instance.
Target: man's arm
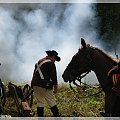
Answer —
(54, 77)
(112, 71)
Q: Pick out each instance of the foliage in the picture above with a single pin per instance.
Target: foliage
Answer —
(108, 15)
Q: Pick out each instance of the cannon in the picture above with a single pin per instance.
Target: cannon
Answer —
(23, 98)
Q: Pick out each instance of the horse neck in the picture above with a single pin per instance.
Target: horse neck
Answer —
(101, 65)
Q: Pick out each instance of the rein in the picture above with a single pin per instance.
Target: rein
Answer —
(79, 79)
(81, 87)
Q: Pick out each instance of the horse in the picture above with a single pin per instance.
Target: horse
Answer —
(89, 59)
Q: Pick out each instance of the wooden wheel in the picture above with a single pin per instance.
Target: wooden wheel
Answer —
(2, 94)
(28, 94)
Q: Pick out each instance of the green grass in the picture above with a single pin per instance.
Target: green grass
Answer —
(70, 104)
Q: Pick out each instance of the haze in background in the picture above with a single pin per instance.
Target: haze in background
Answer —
(28, 30)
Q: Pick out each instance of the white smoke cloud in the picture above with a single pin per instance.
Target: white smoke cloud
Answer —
(28, 30)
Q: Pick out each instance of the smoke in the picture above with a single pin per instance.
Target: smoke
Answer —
(28, 30)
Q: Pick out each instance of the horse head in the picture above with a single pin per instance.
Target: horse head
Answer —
(81, 63)
(86, 59)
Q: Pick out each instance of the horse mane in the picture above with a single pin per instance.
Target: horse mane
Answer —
(114, 60)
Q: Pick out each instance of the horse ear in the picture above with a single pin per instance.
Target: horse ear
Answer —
(83, 43)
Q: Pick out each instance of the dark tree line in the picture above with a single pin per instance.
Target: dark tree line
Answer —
(109, 23)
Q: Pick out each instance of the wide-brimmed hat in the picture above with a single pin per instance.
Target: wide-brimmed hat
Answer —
(53, 52)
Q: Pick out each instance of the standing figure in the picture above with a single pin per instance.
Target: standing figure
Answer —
(114, 76)
(45, 84)
(114, 96)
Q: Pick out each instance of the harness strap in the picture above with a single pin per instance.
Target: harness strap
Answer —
(39, 65)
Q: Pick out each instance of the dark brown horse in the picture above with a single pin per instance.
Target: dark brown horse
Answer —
(90, 58)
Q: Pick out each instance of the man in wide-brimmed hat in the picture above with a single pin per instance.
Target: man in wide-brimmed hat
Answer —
(44, 82)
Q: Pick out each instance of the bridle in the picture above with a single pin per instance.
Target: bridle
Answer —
(80, 76)
(89, 64)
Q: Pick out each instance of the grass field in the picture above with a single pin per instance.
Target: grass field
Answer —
(81, 103)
